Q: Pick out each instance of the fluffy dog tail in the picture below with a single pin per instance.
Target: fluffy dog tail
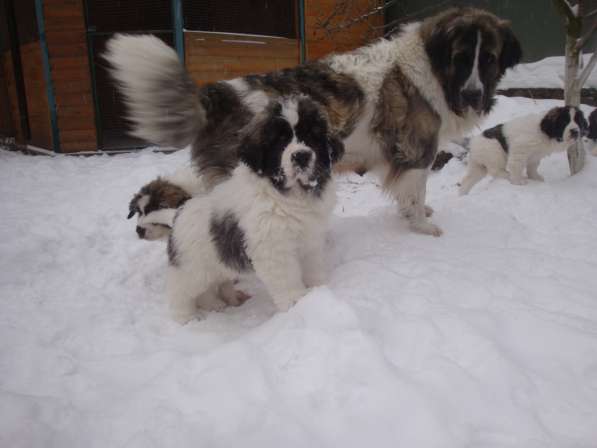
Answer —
(162, 99)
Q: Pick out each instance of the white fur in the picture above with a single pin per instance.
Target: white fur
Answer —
(474, 80)
(528, 144)
(284, 235)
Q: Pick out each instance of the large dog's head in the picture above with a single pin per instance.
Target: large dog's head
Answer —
(156, 204)
(290, 143)
(564, 124)
(469, 50)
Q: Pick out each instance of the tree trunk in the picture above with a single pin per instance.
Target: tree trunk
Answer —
(576, 152)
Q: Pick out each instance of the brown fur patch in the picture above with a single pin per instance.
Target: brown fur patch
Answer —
(162, 194)
(405, 125)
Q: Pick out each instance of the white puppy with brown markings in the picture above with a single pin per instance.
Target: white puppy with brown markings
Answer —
(507, 149)
(269, 217)
(155, 203)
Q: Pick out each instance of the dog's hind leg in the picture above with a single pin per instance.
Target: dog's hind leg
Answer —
(474, 174)
(184, 288)
(409, 189)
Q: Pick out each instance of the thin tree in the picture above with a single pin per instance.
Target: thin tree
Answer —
(576, 20)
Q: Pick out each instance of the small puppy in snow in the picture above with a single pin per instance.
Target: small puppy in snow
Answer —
(507, 149)
(269, 217)
(157, 201)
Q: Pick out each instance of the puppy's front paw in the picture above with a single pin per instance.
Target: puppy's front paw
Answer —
(285, 301)
(426, 228)
(538, 177)
(183, 317)
(518, 181)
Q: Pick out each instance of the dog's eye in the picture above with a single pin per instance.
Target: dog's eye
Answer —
(462, 58)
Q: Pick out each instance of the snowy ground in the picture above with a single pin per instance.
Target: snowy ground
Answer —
(546, 73)
(485, 337)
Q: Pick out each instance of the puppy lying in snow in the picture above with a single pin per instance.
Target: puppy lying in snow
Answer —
(269, 217)
(156, 202)
(508, 149)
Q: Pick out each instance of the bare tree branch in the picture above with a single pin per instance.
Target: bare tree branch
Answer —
(564, 9)
(583, 40)
(582, 79)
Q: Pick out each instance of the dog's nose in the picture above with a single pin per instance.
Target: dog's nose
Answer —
(141, 232)
(301, 158)
(574, 133)
(472, 97)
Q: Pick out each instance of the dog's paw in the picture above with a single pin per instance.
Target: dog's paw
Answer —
(428, 211)
(287, 300)
(518, 181)
(537, 177)
(426, 228)
(183, 317)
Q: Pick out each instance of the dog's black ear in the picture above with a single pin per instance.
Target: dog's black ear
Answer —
(554, 122)
(439, 49)
(131, 214)
(251, 154)
(133, 206)
(336, 148)
(582, 122)
(511, 50)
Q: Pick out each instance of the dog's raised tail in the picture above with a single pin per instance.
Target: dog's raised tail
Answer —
(162, 99)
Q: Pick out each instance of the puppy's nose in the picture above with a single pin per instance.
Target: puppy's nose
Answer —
(301, 158)
(574, 133)
(472, 97)
(141, 232)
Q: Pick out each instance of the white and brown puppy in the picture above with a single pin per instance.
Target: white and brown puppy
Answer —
(391, 102)
(269, 217)
(156, 202)
(507, 149)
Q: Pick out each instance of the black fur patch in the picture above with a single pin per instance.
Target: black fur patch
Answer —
(230, 243)
(593, 125)
(581, 121)
(172, 251)
(441, 159)
(214, 152)
(555, 121)
(497, 133)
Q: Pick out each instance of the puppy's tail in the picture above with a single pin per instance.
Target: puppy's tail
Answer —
(162, 99)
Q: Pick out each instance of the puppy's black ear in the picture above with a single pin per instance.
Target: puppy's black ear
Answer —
(511, 49)
(336, 148)
(554, 122)
(251, 154)
(133, 206)
(582, 122)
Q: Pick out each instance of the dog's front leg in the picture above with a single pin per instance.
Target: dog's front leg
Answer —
(410, 189)
(278, 266)
(313, 261)
(515, 166)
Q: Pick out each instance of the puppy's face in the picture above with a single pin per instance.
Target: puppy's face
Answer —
(564, 124)
(291, 145)
(470, 50)
(154, 206)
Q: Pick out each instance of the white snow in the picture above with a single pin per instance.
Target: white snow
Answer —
(546, 73)
(485, 337)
